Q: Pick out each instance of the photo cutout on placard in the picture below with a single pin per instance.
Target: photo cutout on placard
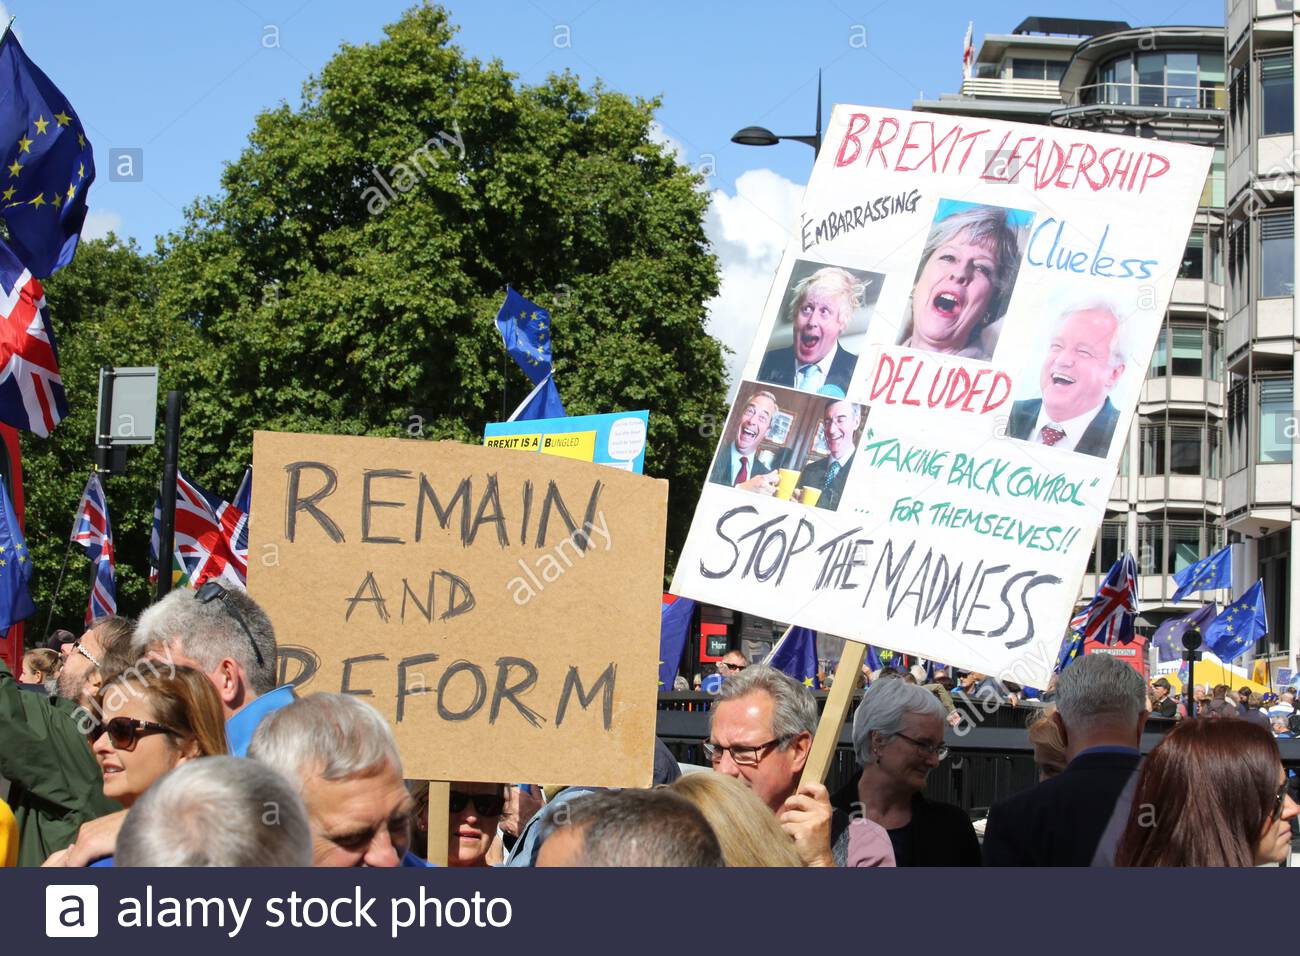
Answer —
(789, 444)
(1084, 368)
(821, 328)
(964, 280)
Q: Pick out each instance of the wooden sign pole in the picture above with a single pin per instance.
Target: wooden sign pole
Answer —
(837, 708)
(439, 820)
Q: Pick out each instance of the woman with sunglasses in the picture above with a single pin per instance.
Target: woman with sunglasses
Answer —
(150, 722)
(898, 733)
(472, 823)
(1212, 793)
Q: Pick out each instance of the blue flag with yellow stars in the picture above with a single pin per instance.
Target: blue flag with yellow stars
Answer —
(15, 567)
(48, 164)
(1242, 623)
(525, 328)
(1206, 574)
(796, 655)
(1071, 648)
(674, 627)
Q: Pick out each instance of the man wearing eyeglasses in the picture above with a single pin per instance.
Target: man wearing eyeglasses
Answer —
(55, 783)
(761, 731)
(223, 633)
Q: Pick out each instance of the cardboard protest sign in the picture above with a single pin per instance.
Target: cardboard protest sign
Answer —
(617, 438)
(501, 610)
(935, 403)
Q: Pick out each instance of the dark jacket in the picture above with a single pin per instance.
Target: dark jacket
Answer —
(940, 834)
(55, 782)
(1095, 440)
(1060, 821)
(779, 368)
(814, 476)
(721, 472)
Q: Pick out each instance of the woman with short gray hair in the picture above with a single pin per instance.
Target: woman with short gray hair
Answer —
(898, 739)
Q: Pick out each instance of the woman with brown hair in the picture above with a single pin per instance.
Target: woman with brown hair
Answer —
(746, 829)
(146, 723)
(1212, 793)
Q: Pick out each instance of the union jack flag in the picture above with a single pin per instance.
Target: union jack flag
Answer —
(92, 531)
(243, 502)
(31, 389)
(206, 538)
(1108, 617)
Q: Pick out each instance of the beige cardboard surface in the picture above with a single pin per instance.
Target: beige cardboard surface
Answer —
(443, 583)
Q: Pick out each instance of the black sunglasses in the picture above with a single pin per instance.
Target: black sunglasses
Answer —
(213, 591)
(485, 804)
(1278, 803)
(124, 733)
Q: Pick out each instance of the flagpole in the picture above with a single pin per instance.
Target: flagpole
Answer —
(8, 27)
(58, 584)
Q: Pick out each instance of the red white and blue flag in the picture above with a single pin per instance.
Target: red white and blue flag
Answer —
(211, 538)
(31, 389)
(1108, 617)
(91, 530)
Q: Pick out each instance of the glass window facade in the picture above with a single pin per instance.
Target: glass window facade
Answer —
(1189, 79)
(1276, 420)
(1276, 108)
(1276, 254)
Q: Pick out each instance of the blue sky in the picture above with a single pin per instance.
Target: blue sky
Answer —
(184, 81)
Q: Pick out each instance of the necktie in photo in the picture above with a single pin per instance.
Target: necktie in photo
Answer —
(805, 375)
(1049, 435)
(831, 472)
(743, 474)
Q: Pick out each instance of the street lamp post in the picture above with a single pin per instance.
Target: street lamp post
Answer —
(1191, 641)
(761, 136)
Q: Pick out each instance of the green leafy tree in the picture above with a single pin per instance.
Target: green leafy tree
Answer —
(346, 277)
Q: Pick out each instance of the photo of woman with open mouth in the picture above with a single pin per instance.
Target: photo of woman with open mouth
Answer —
(964, 282)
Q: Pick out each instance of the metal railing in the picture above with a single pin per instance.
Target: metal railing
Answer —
(1149, 94)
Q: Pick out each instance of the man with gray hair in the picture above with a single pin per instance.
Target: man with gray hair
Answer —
(1085, 360)
(217, 811)
(629, 828)
(761, 731)
(1100, 712)
(341, 755)
(223, 633)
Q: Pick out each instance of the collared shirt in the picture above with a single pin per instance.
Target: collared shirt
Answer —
(1107, 749)
(735, 463)
(1073, 427)
(817, 371)
(240, 727)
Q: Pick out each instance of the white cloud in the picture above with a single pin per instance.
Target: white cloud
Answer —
(657, 134)
(100, 222)
(749, 231)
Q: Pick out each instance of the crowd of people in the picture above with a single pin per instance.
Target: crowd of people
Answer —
(166, 742)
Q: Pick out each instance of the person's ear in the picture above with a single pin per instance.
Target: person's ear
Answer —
(800, 747)
(1060, 726)
(188, 751)
(229, 680)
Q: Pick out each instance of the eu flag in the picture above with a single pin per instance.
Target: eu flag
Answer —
(525, 329)
(796, 655)
(674, 623)
(1241, 624)
(1168, 638)
(1071, 648)
(1206, 574)
(48, 162)
(15, 567)
(542, 402)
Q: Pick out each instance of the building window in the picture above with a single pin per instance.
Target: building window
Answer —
(1237, 433)
(1276, 110)
(1216, 259)
(1276, 254)
(1109, 546)
(1213, 451)
(1183, 80)
(1153, 449)
(1151, 547)
(1037, 69)
(1238, 111)
(1159, 358)
(1187, 352)
(1238, 268)
(1274, 570)
(1216, 355)
(1184, 545)
(1276, 425)
(1193, 264)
